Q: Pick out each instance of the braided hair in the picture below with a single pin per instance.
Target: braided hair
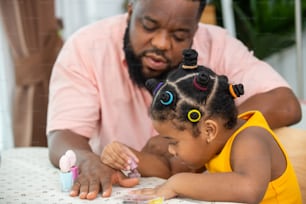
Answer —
(193, 93)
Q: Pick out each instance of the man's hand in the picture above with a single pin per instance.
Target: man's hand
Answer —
(95, 176)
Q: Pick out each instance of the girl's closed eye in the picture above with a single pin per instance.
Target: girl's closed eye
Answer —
(173, 142)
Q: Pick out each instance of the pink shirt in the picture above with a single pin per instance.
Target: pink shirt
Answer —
(91, 92)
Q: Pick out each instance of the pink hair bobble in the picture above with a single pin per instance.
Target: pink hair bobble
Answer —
(200, 81)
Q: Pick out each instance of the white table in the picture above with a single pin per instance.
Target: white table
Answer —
(27, 176)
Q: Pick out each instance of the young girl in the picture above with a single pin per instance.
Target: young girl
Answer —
(195, 110)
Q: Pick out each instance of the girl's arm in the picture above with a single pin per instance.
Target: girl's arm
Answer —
(251, 165)
(153, 160)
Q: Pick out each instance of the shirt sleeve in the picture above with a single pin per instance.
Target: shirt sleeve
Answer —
(73, 92)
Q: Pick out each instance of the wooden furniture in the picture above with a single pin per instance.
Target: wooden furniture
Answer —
(294, 141)
(209, 15)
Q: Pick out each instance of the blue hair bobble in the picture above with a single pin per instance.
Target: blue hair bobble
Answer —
(166, 98)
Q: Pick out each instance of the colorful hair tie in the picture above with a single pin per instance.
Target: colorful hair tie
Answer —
(166, 98)
(231, 90)
(189, 67)
(151, 85)
(198, 86)
(236, 90)
(157, 87)
(194, 115)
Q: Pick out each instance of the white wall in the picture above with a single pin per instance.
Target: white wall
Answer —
(6, 91)
(76, 13)
(285, 62)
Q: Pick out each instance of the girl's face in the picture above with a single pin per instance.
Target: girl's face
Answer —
(194, 152)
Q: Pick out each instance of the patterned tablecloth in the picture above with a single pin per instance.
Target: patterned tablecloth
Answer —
(27, 176)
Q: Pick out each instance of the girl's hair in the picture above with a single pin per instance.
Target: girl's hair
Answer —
(193, 93)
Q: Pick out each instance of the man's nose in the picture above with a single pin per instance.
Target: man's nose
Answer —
(161, 40)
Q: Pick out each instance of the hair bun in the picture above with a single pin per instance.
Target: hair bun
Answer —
(239, 89)
(190, 59)
(236, 90)
(202, 79)
(166, 98)
(153, 85)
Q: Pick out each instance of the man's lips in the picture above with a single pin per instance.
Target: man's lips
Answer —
(155, 62)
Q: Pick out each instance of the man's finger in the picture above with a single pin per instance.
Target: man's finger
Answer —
(127, 182)
(106, 184)
(94, 187)
(75, 189)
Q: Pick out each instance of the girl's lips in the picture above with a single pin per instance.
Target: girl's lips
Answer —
(155, 62)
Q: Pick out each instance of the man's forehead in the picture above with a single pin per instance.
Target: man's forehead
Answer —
(181, 10)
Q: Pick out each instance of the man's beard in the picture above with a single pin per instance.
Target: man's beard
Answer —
(135, 65)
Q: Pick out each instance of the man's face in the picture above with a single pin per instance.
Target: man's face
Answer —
(158, 31)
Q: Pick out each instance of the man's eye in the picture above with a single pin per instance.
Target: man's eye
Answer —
(148, 26)
(179, 37)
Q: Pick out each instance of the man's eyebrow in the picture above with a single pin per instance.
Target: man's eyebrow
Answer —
(187, 30)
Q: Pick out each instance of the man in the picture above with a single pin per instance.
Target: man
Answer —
(97, 92)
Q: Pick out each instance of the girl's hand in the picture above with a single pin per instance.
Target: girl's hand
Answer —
(119, 156)
(165, 190)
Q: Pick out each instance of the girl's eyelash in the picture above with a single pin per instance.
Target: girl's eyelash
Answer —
(173, 143)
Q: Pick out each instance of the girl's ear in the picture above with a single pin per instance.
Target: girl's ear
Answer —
(210, 130)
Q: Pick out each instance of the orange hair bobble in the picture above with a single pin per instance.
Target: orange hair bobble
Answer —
(231, 90)
(236, 90)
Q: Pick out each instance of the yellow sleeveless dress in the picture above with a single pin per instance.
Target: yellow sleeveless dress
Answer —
(284, 189)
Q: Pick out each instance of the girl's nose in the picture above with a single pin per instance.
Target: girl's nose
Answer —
(171, 150)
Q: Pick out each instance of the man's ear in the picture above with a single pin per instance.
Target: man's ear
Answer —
(129, 10)
(210, 130)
